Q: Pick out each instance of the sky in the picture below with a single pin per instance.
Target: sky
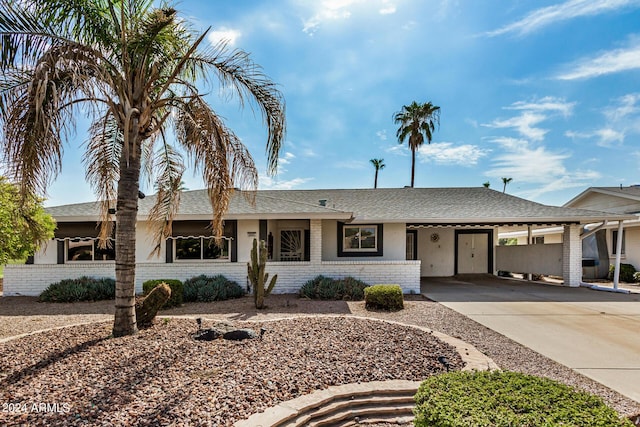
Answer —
(546, 93)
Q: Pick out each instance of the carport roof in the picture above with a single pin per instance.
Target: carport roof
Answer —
(416, 206)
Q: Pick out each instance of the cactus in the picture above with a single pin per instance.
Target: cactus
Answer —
(257, 276)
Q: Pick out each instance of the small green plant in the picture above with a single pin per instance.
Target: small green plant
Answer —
(502, 399)
(636, 277)
(210, 288)
(627, 272)
(326, 288)
(257, 276)
(385, 297)
(177, 291)
(81, 289)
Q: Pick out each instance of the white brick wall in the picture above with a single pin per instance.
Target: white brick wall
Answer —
(572, 255)
(31, 280)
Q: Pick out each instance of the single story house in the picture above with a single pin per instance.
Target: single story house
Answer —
(384, 235)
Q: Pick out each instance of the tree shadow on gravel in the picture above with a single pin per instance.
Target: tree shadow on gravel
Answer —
(52, 358)
(282, 305)
(29, 306)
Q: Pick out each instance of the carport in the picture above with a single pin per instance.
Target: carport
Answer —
(455, 245)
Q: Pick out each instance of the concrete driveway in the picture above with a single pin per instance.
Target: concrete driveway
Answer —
(593, 332)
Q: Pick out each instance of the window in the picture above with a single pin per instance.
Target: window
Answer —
(614, 240)
(291, 245)
(359, 240)
(201, 248)
(362, 238)
(538, 240)
(88, 250)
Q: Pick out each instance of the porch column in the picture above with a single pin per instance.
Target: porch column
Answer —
(572, 255)
(616, 271)
(315, 247)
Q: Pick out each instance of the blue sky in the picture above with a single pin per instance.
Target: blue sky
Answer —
(546, 93)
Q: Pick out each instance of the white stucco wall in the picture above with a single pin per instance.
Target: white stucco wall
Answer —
(48, 253)
(394, 243)
(437, 258)
(632, 246)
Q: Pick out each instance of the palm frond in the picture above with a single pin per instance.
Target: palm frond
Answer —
(246, 79)
(169, 187)
(217, 152)
(102, 162)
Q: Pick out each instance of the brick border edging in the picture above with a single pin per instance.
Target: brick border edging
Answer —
(473, 358)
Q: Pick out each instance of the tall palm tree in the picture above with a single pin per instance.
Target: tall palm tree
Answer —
(505, 181)
(132, 68)
(486, 184)
(418, 122)
(378, 164)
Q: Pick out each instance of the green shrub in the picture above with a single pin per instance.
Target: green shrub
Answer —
(81, 289)
(176, 286)
(385, 297)
(502, 398)
(636, 277)
(326, 288)
(627, 272)
(210, 288)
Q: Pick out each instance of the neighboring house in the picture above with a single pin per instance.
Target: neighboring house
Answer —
(376, 235)
(618, 200)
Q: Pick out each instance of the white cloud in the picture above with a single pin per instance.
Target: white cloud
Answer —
(613, 61)
(627, 106)
(340, 10)
(537, 166)
(606, 137)
(224, 34)
(286, 159)
(448, 153)
(400, 149)
(382, 134)
(568, 10)
(548, 103)
(524, 124)
(622, 119)
(533, 113)
(268, 183)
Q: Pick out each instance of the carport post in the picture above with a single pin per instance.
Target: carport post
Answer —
(616, 271)
(572, 255)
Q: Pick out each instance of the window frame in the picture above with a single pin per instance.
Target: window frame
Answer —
(378, 249)
(202, 248)
(614, 241)
(94, 248)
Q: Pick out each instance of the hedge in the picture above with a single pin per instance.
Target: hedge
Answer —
(502, 399)
(385, 297)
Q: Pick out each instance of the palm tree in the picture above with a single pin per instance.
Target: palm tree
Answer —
(486, 184)
(417, 121)
(505, 181)
(132, 68)
(378, 164)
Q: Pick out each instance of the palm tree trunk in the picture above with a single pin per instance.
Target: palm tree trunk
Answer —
(413, 165)
(124, 322)
(375, 181)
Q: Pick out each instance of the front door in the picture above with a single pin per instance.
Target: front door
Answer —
(473, 250)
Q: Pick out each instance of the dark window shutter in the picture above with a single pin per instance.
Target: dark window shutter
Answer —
(169, 245)
(60, 251)
(307, 245)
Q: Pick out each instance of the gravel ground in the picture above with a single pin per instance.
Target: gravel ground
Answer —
(162, 376)
(17, 316)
